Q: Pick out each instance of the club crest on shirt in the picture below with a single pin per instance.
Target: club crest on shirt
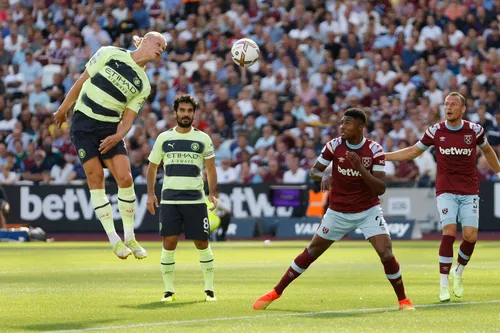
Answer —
(468, 139)
(367, 161)
(195, 146)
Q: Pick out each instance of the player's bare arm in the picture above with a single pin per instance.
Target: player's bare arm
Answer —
(152, 201)
(375, 181)
(405, 154)
(212, 182)
(492, 158)
(61, 113)
(316, 172)
(326, 180)
(125, 125)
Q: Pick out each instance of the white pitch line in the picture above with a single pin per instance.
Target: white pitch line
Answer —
(274, 315)
(220, 264)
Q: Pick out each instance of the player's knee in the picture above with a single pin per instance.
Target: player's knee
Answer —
(124, 180)
(449, 227)
(95, 177)
(315, 250)
(385, 254)
(201, 244)
(470, 235)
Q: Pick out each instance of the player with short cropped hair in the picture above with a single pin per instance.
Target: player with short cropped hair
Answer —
(183, 151)
(109, 95)
(357, 179)
(457, 187)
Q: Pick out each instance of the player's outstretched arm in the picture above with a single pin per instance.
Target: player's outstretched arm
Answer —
(152, 201)
(71, 97)
(404, 154)
(212, 182)
(492, 158)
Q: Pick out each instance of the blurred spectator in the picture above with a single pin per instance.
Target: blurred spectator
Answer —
(484, 172)
(296, 175)
(225, 173)
(405, 170)
(273, 174)
(8, 177)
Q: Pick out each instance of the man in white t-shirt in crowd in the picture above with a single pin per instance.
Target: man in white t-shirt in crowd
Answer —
(295, 174)
(385, 75)
(225, 173)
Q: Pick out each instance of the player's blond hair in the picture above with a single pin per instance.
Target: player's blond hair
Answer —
(138, 40)
(459, 95)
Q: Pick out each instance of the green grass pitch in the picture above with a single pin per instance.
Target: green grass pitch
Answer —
(83, 287)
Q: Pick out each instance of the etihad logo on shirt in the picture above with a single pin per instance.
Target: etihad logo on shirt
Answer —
(455, 151)
(348, 172)
(119, 81)
(183, 155)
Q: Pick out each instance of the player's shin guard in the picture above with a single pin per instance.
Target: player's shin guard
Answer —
(298, 266)
(464, 254)
(207, 266)
(445, 257)
(104, 213)
(393, 273)
(126, 206)
(168, 268)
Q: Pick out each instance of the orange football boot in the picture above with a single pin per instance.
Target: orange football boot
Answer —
(263, 302)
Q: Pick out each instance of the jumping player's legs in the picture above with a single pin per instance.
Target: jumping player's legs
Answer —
(86, 139)
(95, 179)
(448, 207)
(119, 166)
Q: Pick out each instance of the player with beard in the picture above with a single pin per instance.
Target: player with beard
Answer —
(357, 179)
(457, 187)
(183, 151)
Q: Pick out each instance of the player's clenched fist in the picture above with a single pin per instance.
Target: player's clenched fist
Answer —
(354, 159)
(60, 117)
(151, 203)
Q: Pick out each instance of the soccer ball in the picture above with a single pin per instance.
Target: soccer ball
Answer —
(245, 52)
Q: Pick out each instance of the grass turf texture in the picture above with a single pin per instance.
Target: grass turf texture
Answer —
(82, 287)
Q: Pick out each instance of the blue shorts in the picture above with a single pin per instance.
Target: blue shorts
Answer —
(336, 225)
(464, 208)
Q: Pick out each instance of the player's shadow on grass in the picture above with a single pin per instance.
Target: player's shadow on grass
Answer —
(159, 305)
(80, 325)
(333, 314)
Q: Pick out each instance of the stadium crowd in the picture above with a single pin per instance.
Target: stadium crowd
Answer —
(395, 59)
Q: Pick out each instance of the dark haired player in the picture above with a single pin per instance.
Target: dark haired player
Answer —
(183, 150)
(457, 188)
(358, 178)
